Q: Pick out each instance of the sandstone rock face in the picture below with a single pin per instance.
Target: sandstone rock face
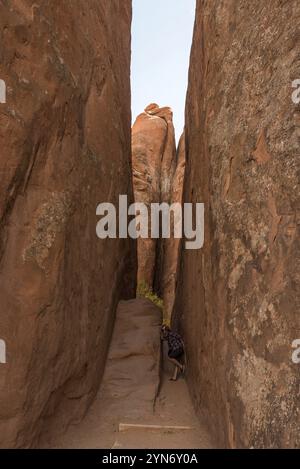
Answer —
(238, 298)
(172, 245)
(65, 147)
(153, 161)
(158, 172)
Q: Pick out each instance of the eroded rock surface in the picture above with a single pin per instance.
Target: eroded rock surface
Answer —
(153, 162)
(65, 147)
(238, 298)
(172, 245)
(157, 177)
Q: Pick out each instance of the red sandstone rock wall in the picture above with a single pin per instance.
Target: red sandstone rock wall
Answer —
(65, 147)
(157, 177)
(153, 161)
(172, 245)
(238, 298)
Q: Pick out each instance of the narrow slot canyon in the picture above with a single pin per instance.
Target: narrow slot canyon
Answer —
(82, 360)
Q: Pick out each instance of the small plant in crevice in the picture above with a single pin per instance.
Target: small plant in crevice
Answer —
(145, 291)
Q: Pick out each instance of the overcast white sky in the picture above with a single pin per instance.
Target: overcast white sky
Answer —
(161, 42)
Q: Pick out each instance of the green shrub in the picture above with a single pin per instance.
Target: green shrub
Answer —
(144, 291)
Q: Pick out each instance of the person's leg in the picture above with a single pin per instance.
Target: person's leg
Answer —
(176, 363)
(178, 366)
(175, 374)
(184, 363)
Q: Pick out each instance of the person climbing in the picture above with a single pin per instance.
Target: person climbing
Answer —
(175, 349)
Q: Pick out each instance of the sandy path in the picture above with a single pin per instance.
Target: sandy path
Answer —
(129, 393)
(173, 407)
